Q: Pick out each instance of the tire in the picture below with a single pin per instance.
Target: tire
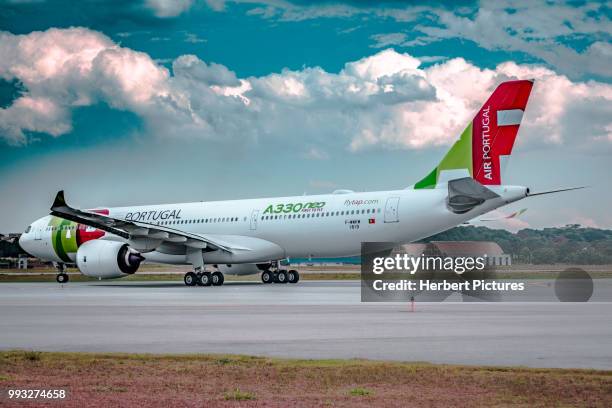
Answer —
(281, 277)
(267, 277)
(206, 279)
(199, 280)
(62, 278)
(217, 278)
(293, 276)
(190, 279)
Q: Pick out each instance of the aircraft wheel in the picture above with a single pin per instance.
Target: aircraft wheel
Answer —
(62, 278)
(191, 279)
(267, 277)
(217, 278)
(199, 280)
(293, 276)
(281, 277)
(206, 279)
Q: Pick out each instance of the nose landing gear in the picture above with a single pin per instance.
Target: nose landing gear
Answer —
(62, 276)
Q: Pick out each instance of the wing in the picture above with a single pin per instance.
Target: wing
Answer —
(137, 231)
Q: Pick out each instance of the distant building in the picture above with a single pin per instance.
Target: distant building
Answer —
(12, 237)
(453, 249)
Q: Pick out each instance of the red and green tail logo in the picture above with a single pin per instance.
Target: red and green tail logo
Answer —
(487, 137)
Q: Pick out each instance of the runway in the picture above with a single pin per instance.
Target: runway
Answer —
(321, 319)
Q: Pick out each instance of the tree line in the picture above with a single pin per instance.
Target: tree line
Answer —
(571, 244)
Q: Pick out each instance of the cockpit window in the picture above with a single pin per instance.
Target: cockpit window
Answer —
(28, 229)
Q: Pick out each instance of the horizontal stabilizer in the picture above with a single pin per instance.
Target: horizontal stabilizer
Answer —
(464, 194)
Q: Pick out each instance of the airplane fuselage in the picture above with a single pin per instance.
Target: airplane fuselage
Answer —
(330, 225)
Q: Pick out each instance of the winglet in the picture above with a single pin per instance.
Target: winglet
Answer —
(59, 201)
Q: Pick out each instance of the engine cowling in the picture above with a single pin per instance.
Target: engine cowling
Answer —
(107, 259)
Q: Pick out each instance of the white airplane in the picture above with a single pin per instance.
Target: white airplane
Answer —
(253, 236)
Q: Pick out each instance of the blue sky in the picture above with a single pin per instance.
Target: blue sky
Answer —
(141, 102)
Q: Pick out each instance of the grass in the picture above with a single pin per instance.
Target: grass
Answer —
(360, 392)
(103, 379)
(237, 395)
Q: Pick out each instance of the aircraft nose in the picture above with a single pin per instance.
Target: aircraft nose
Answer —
(24, 241)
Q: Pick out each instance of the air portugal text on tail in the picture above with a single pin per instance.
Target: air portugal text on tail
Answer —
(486, 139)
(242, 237)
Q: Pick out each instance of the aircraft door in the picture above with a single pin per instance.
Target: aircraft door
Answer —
(38, 233)
(254, 216)
(391, 209)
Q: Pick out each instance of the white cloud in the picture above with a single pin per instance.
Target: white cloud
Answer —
(190, 66)
(62, 69)
(539, 28)
(315, 154)
(284, 10)
(169, 8)
(217, 5)
(385, 40)
(194, 38)
(384, 100)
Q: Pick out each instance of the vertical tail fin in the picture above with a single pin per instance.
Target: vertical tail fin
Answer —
(488, 137)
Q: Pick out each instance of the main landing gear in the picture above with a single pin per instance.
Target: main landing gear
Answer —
(62, 276)
(204, 278)
(280, 276)
(200, 276)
